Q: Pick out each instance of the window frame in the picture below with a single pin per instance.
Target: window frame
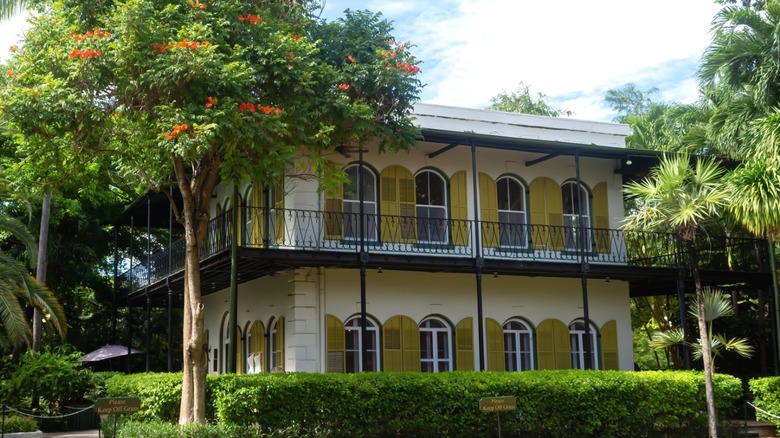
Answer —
(370, 218)
(373, 329)
(503, 225)
(573, 221)
(445, 328)
(527, 330)
(577, 336)
(431, 226)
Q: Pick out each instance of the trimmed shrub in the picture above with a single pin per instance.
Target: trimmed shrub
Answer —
(766, 397)
(549, 403)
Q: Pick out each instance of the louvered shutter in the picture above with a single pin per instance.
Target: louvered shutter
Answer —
(279, 194)
(335, 344)
(398, 203)
(257, 212)
(495, 345)
(488, 210)
(609, 346)
(464, 344)
(459, 228)
(553, 349)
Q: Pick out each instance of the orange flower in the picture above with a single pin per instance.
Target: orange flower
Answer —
(278, 111)
(210, 101)
(13, 49)
(242, 107)
(184, 127)
(168, 137)
(183, 44)
(351, 59)
(295, 37)
(343, 87)
(251, 107)
(241, 18)
(267, 109)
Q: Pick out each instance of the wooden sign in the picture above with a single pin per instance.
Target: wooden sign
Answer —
(497, 404)
(117, 406)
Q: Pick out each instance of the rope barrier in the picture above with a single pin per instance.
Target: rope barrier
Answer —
(27, 414)
(763, 411)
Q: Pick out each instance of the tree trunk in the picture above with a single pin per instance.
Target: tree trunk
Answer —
(40, 269)
(196, 197)
(704, 340)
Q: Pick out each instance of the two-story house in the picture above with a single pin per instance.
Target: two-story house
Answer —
(494, 244)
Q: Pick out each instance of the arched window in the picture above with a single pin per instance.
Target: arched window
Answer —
(435, 346)
(255, 348)
(354, 345)
(431, 207)
(575, 217)
(352, 204)
(512, 219)
(518, 345)
(577, 334)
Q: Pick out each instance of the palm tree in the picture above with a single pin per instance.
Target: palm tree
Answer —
(18, 288)
(680, 197)
(716, 305)
(9, 8)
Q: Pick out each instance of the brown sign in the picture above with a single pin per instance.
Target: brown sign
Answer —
(497, 404)
(117, 406)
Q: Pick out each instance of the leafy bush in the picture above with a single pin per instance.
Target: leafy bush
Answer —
(766, 397)
(17, 423)
(157, 429)
(56, 378)
(549, 403)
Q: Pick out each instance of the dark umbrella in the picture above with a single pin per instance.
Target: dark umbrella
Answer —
(107, 352)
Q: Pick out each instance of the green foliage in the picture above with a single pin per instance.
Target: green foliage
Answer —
(158, 429)
(58, 379)
(18, 423)
(550, 403)
(522, 101)
(766, 397)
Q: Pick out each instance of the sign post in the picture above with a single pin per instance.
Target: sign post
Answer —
(498, 405)
(116, 406)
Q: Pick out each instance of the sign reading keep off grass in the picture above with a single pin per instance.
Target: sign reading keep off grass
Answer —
(497, 404)
(117, 406)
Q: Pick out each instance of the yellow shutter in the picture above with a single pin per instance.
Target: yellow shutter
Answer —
(538, 205)
(488, 210)
(411, 344)
(554, 202)
(219, 225)
(398, 203)
(464, 344)
(334, 214)
(336, 345)
(609, 346)
(401, 348)
(494, 334)
(459, 228)
(239, 352)
(257, 212)
(601, 218)
(392, 355)
(257, 343)
(279, 206)
(280, 343)
(553, 349)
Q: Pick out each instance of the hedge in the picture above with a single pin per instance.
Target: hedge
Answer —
(766, 397)
(549, 403)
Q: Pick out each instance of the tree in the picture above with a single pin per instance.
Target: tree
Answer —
(9, 8)
(521, 101)
(188, 92)
(18, 287)
(629, 100)
(716, 305)
(680, 197)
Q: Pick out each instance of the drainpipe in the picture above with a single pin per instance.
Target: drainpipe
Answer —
(233, 319)
(479, 262)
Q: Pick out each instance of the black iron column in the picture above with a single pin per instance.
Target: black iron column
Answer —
(233, 319)
(170, 291)
(363, 260)
(116, 285)
(775, 304)
(148, 336)
(129, 292)
(584, 267)
(479, 262)
(686, 352)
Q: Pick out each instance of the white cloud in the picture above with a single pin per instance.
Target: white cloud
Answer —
(11, 31)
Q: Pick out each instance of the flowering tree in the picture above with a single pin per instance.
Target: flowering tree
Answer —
(186, 92)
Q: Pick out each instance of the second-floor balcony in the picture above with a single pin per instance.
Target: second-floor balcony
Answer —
(317, 231)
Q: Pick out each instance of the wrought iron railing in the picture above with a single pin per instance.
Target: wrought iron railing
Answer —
(297, 230)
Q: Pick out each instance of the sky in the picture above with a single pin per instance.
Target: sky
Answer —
(572, 51)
